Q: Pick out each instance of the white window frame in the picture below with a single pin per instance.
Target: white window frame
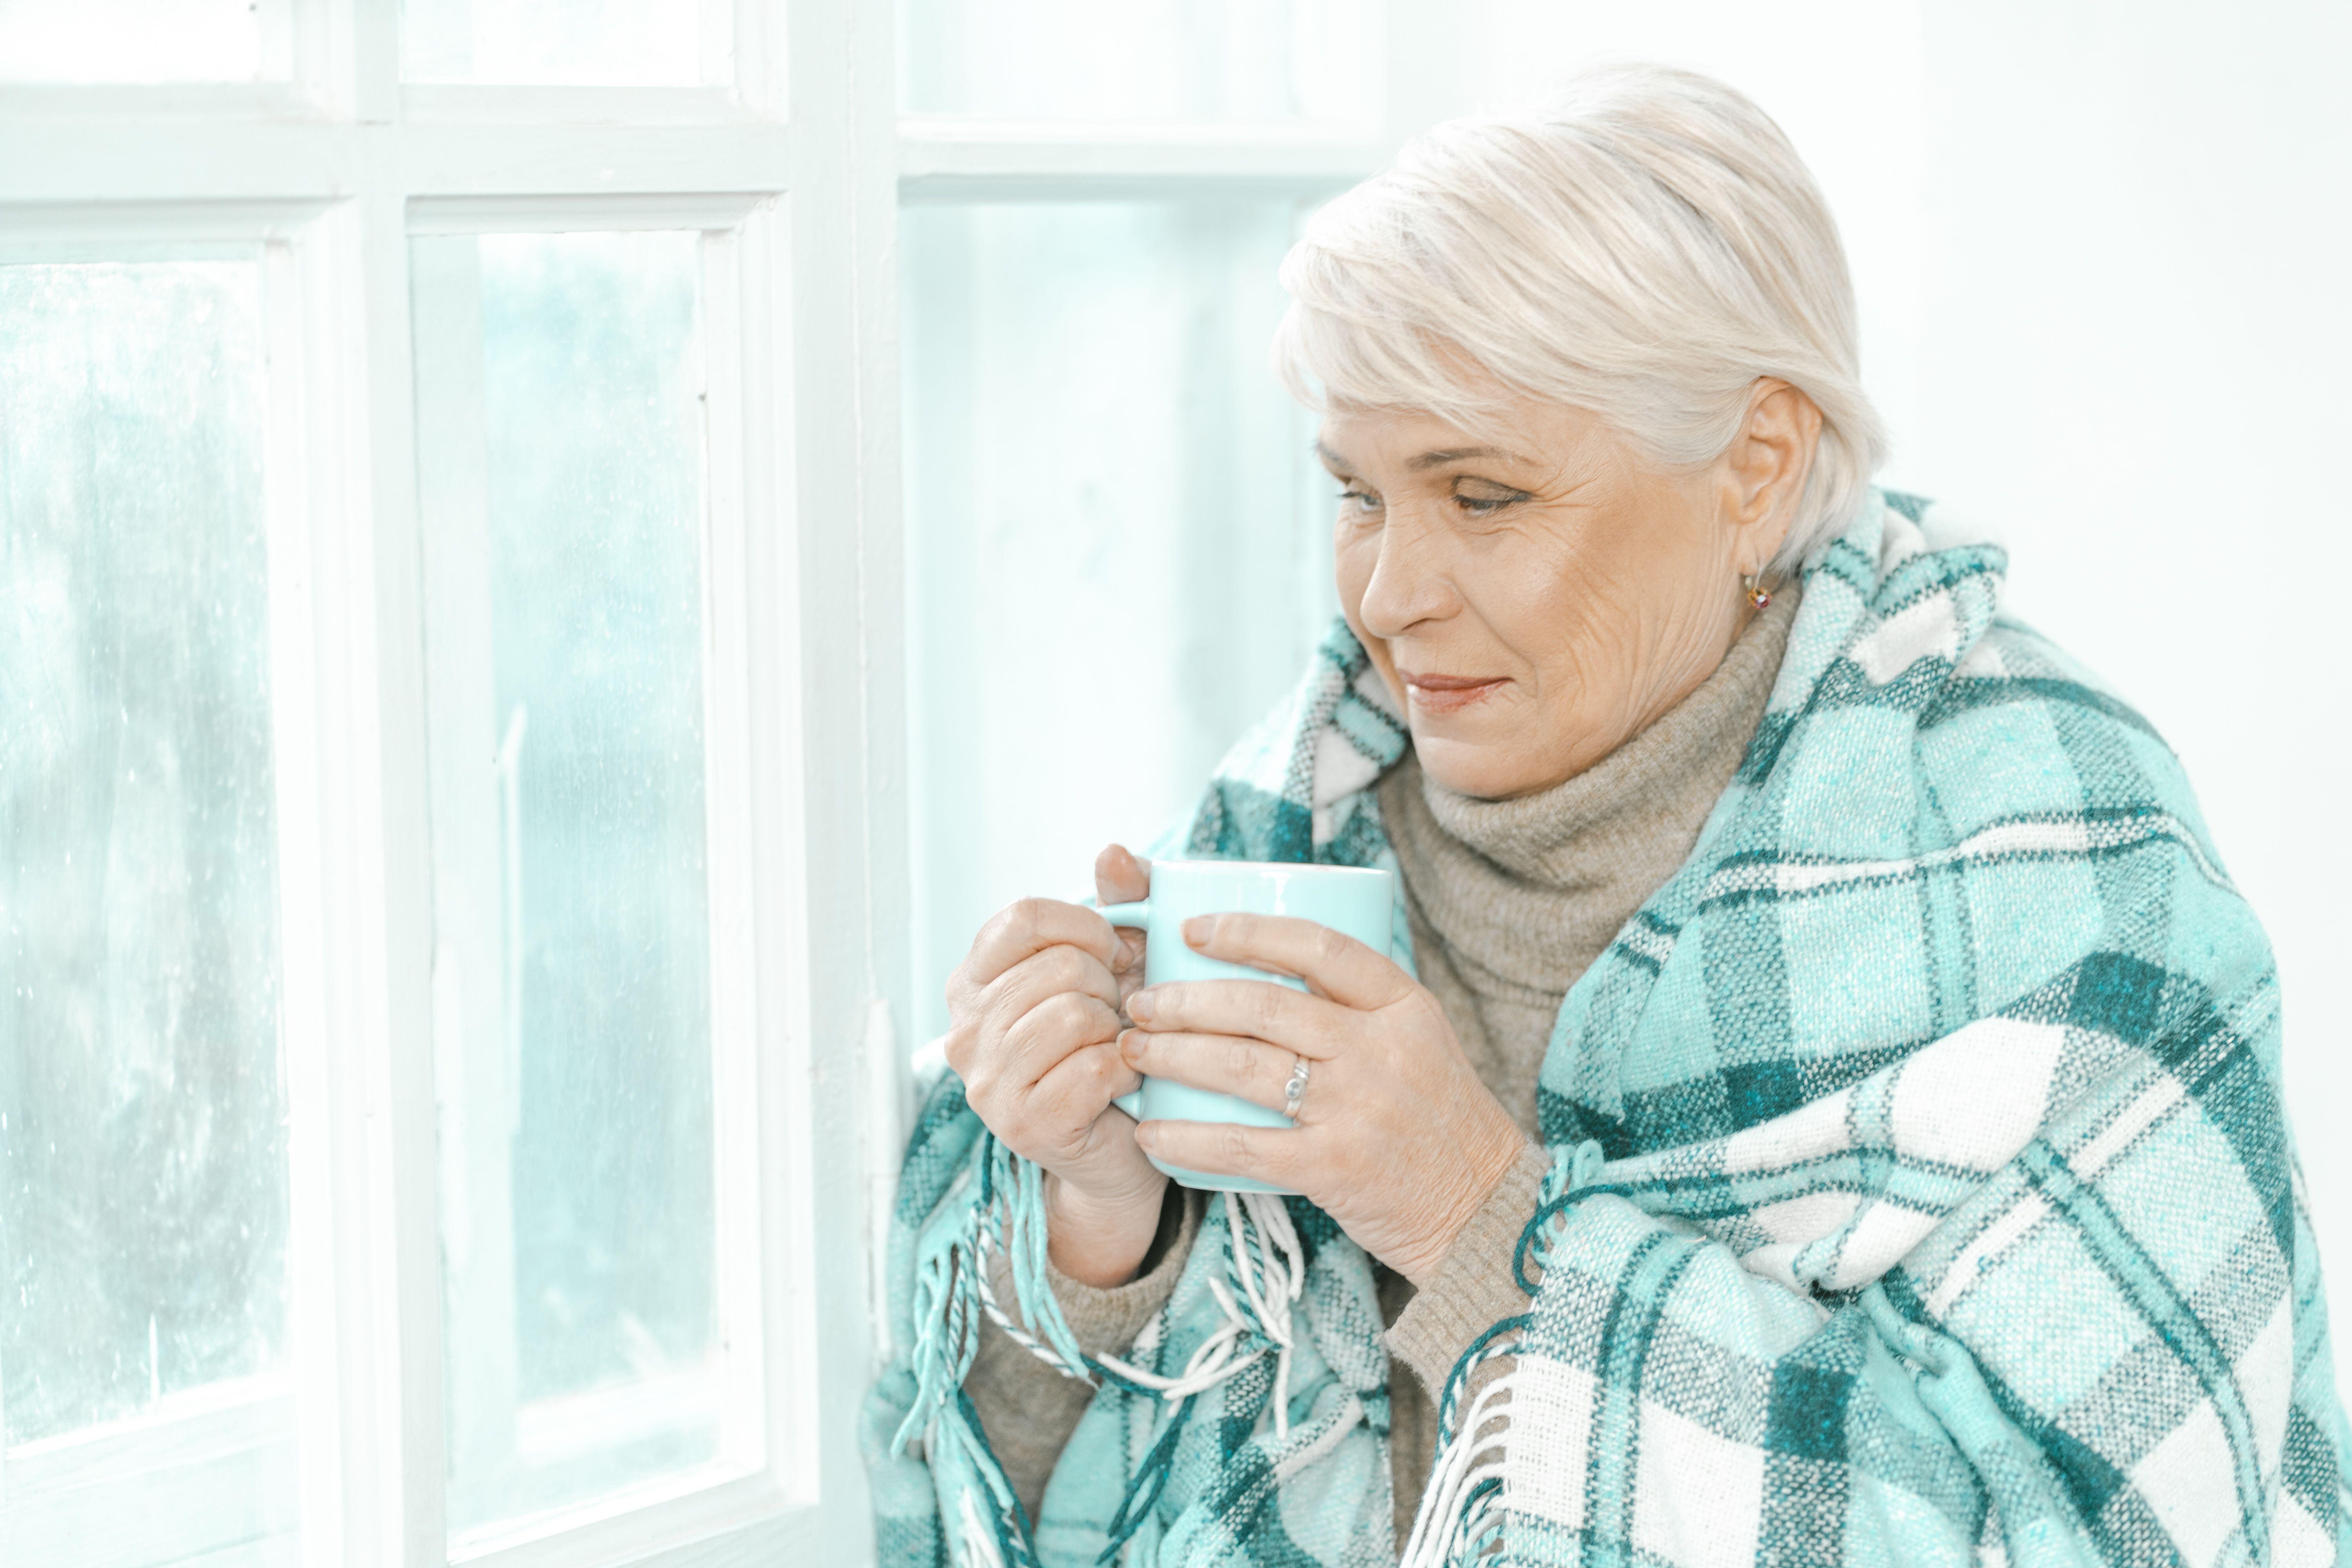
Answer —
(797, 171)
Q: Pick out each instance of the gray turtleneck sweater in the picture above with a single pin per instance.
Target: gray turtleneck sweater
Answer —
(1509, 903)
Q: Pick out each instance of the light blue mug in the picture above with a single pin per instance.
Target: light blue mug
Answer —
(1355, 902)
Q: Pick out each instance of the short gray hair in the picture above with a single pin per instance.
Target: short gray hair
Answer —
(1644, 246)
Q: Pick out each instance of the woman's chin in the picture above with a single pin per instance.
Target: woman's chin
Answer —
(1485, 768)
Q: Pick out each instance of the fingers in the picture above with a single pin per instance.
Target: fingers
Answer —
(1043, 975)
(1333, 965)
(1275, 1155)
(1090, 1078)
(1227, 1064)
(1120, 877)
(1030, 926)
(1060, 1119)
(1062, 1025)
(981, 1046)
(1275, 1014)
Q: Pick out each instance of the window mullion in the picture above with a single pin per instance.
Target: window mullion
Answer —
(312, 895)
(475, 1078)
(849, 572)
(394, 1368)
(735, 998)
(947, 153)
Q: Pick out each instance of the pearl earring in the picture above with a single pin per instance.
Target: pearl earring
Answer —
(1758, 595)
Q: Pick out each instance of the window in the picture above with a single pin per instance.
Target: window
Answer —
(146, 41)
(482, 754)
(1093, 441)
(146, 1166)
(418, 1128)
(584, 1019)
(1095, 203)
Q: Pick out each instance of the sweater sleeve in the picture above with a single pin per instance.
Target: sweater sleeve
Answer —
(1474, 1288)
(1028, 1409)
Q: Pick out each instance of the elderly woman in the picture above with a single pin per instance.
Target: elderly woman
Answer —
(1822, 1104)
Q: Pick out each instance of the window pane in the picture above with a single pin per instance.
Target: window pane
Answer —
(1136, 60)
(144, 40)
(559, 387)
(1112, 568)
(593, 43)
(144, 1183)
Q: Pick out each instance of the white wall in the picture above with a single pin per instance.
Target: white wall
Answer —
(2102, 252)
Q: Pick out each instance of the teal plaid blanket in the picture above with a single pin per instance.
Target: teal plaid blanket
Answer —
(1922, 1191)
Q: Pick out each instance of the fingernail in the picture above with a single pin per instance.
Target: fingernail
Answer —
(1147, 1136)
(1200, 928)
(1139, 1006)
(1130, 1047)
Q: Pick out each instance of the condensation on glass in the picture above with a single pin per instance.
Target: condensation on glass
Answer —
(560, 425)
(1136, 61)
(138, 41)
(143, 1175)
(573, 42)
(1117, 544)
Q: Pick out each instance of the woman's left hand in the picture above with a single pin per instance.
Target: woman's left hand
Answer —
(1396, 1138)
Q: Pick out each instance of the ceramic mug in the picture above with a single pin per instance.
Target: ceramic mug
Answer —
(1353, 901)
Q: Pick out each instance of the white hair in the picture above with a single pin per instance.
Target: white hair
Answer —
(1645, 247)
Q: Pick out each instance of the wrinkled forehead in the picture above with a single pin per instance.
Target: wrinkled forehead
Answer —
(1524, 432)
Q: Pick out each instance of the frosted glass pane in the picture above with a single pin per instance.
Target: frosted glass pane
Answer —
(1114, 562)
(559, 384)
(594, 43)
(144, 40)
(1134, 60)
(142, 1112)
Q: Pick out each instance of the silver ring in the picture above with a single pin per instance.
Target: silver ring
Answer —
(1294, 1091)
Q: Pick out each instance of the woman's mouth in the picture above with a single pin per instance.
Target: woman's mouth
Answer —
(1450, 694)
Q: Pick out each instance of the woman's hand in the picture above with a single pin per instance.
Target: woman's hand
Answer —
(1035, 1019)
(1397, 1138)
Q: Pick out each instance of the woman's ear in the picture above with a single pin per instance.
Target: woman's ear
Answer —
(1766, 468)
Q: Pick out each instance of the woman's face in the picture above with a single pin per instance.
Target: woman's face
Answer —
(1538, 596)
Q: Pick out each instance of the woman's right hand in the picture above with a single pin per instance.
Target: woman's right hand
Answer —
(1035, 1018)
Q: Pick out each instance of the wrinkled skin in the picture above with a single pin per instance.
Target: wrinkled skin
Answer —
(1534, 595)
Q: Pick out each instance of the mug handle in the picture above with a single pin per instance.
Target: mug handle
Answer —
(1137, 916)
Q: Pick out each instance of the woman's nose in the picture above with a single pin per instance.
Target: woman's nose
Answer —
(1409, 584)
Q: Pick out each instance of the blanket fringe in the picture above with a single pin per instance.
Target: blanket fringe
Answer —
(1069, 1364)
(1462, 1510)
(1265, 1262)
(946, 1334)
(1265, 1273)
(979, 1539)
(1462, 1507)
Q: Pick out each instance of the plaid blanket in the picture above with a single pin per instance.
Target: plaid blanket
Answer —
(1922, 1191)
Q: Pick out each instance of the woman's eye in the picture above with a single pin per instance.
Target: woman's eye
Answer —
(1478, 506)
